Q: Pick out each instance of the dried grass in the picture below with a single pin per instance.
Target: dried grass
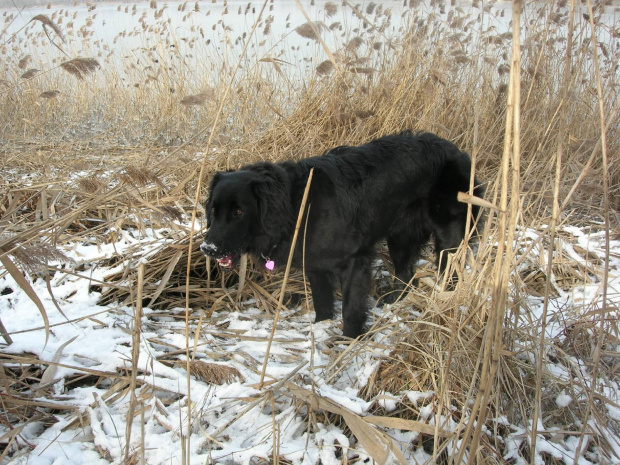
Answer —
(47, 22)
(21, 64)
(80, 67)
(49, 94)
(30, 73)
(212, 373)
(310, 30)
(140, 176)
(463, 344)
(331, 9)
(198, 99)
(325, 68)
(354, 44)
(35, 258)
(91, 184)
(362, 70)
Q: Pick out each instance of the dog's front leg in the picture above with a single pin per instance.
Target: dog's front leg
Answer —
(322, 287)
(355, 286)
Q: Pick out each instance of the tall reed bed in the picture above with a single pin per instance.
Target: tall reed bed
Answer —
(535, 103)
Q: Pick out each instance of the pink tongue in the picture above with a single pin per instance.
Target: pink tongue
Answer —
(226, 262)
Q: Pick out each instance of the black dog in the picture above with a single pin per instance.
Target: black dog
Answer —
(402, 188)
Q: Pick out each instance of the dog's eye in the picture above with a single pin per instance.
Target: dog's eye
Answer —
(238, 212)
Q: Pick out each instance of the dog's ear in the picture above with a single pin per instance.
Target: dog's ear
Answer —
(272, 189)
(216, 178)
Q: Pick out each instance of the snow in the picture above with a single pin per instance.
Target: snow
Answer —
(388, 401)
(417, 396)
(228, 425)
(100, 339)
(563, 400)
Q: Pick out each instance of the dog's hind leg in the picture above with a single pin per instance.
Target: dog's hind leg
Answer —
(322, 287)
(355, 277)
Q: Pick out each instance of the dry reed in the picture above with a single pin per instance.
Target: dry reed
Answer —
(324, 68)
(197, 99)
(331, 8)
(21, 64)
(212, 373)
(30, 73)
(49, 94)
(47, 22)
(80, 67)
(477, 349)
(310, 30)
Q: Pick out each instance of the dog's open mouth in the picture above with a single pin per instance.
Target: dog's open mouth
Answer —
(228, 262)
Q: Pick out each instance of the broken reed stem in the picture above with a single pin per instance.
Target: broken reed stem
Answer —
(506, 228)
(135, 354)
(197, 335)
(142, 438)
(24, 283)
(275, 426)
(5, 335)
(596, 355)
(300, 216)
(552, 230)
(186, 457)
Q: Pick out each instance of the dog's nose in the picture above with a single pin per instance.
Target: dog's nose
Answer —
(208, 248)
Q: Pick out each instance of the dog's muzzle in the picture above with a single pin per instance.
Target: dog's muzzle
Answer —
(208, 248)
(224, 260)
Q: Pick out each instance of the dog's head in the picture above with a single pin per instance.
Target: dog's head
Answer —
(247, 211)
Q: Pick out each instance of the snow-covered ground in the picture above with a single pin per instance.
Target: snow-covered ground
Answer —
(235, 422)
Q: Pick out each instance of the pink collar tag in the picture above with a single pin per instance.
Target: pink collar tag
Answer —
(270, 264)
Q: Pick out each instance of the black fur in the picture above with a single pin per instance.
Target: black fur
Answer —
(401, 188)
